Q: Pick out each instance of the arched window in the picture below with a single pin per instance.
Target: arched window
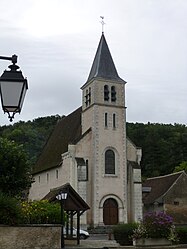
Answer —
(114, 120)
(109, 162)
(113, 94)
(106, 93)
(57, 174)
(106, 119)
(47, 177)
(88, 97)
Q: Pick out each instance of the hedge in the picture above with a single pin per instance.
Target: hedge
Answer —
(123, 233)
(15, 212)
(182, 234)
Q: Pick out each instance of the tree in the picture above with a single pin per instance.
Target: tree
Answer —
(163, 146)
(10, 210)
(31, 134)
(14, 168)
(182, 166)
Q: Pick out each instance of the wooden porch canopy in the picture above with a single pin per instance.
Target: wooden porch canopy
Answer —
(73, 205)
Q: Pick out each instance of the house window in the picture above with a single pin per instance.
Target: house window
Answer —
(57, 174)
(39, 179)
(176, 203)
(113, 94)
(109, 162)
(106, 93)
(106, 119)
(47, 177)
(114, 120)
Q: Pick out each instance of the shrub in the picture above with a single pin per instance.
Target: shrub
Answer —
(10, 210)
(123, 233)
(41, 212)
(182, 234)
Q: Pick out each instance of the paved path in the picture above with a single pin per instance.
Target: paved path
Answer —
(96, 241)
(101, 243)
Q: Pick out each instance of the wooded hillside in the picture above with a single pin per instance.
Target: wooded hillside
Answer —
(164, 146)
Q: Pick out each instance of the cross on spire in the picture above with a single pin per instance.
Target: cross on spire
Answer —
(102, 23)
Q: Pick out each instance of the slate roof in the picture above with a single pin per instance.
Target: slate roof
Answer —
(159, 186)
(103, 65)
(67, 131)
(133, 164)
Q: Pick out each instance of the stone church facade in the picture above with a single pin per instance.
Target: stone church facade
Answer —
(90, 150)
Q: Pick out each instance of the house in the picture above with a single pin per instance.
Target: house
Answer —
(167, 193)
(90, 150)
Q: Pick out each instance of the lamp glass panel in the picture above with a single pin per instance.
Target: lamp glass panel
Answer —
(10, 93)
(23, 95)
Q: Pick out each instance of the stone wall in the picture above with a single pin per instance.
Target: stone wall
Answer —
(30, 237)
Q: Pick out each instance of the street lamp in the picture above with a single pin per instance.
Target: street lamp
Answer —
(61, 197)
(13, 87)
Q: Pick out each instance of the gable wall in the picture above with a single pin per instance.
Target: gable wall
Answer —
(178, 192)
(43, 182)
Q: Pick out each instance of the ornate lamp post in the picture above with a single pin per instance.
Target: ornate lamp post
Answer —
(13, 87)
(62, 196)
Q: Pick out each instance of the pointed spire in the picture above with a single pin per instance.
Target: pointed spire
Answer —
(103, 65)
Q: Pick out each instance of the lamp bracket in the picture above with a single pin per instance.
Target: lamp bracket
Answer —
(13, 58)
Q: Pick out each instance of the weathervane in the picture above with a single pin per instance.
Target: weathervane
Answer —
(102, 23)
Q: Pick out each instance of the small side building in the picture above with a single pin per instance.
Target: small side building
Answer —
(167, 193)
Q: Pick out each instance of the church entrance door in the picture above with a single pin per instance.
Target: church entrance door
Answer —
(110, 212)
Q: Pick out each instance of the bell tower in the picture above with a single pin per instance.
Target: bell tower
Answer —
(103, 87)
(104, 112)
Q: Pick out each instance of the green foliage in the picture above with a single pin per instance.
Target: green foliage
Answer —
(41, 212)
(10, 210)
(140, 232)
(13, 212)
(32, 135)
(123, 233)
(14, 168)
(182, 166)
(182, 234)
(164, 146)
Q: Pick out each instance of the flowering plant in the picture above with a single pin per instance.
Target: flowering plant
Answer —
(40, 212)
(139, 232)
(155, 225)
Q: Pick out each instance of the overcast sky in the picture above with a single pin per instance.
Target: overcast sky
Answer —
(56, 41)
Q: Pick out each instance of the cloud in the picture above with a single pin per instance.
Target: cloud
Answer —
(56, 46)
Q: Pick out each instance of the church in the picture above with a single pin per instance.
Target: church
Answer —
(89, 149)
